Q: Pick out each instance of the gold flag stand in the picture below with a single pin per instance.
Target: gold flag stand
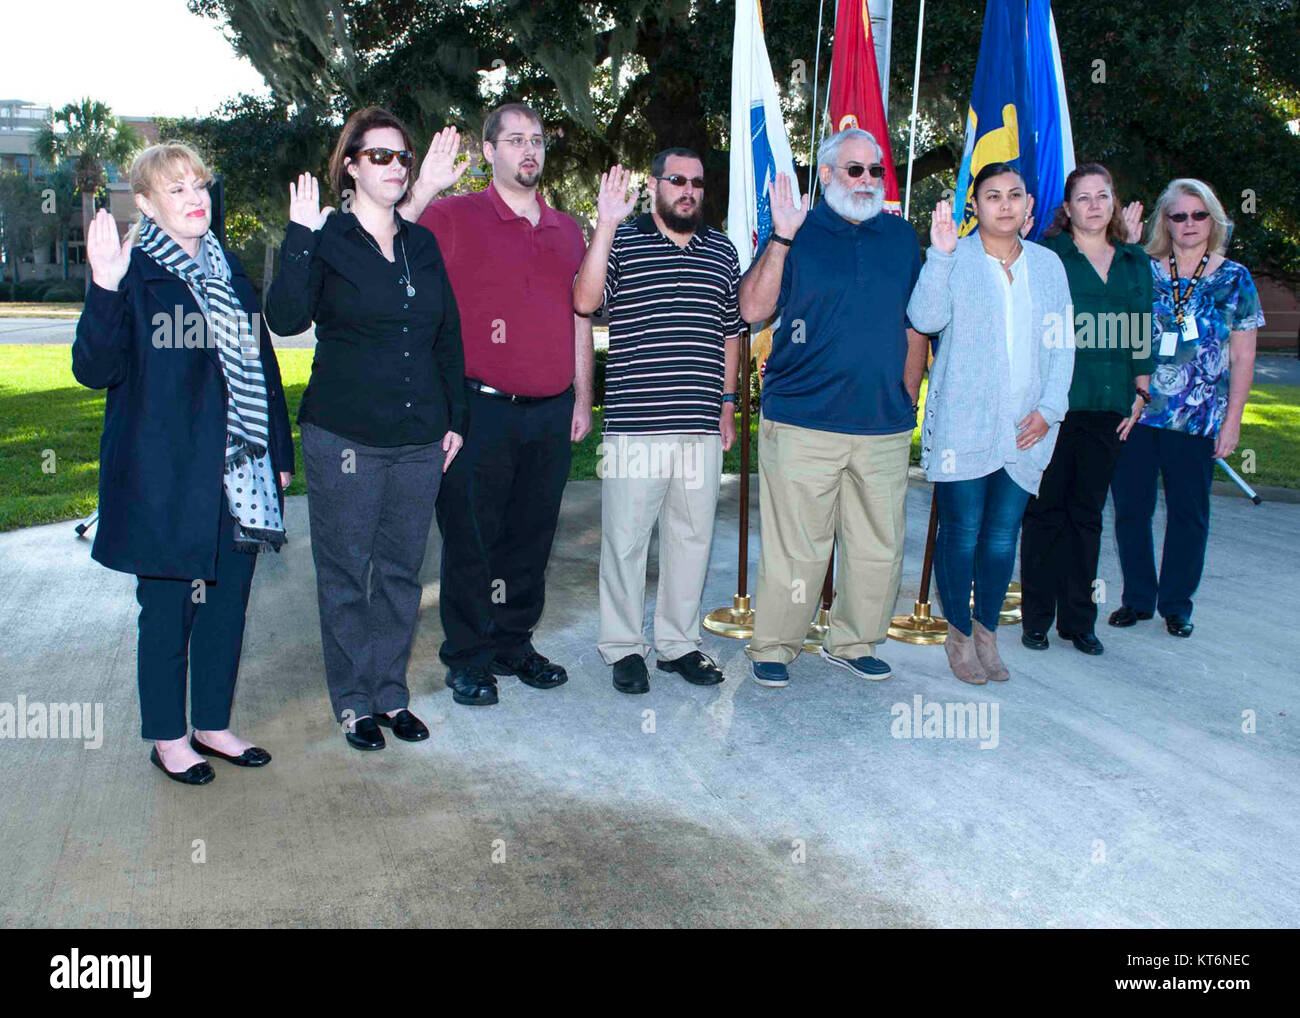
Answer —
(921, 626)
(737, 621)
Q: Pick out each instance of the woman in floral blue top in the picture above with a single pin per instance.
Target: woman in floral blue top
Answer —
(1206, 314)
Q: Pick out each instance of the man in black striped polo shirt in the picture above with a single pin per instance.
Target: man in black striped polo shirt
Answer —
(669, 285)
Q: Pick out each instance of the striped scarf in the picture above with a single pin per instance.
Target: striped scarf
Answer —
(249, 477)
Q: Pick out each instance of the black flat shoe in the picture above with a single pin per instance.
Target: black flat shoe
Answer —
(1034, 639)
(1086, 642)
(693, 667)
(199, 774)
(1125, 616)
(472, 686)
(251, 757)
(1176, 625)
(532, 669)
(630, 675)
(365, 734)
(405, 725)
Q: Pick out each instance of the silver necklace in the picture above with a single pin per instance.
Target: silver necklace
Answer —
(404, 280)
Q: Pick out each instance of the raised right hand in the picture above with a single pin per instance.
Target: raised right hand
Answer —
(109, 258)
(787, 217)
(616, 199)
(304, 203)
(943, 228)
(1132, 216)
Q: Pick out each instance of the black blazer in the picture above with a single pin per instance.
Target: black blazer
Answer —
(162, 454)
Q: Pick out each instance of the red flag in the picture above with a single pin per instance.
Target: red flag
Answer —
(855, 87)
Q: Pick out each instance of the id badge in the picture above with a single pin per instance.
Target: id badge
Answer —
(1189, 329)
(1168, 343)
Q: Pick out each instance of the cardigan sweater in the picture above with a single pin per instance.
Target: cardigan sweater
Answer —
(969, 428)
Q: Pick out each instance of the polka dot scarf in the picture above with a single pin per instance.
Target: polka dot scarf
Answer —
(249, 478)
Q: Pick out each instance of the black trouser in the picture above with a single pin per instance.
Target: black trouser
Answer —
(497, 510)
(184, 629)
(370, 518)
(1185, 463)
(1060, 542)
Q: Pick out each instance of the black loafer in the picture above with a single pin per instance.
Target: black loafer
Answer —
(1034, 639)
(365, 734)
(694, 667)
(472, 686)
(253, 756)
(1125, 616)
(532, 669)
(1176, 625)
(1086, 642)
(405, 725)
(630, 675)
(199, 774)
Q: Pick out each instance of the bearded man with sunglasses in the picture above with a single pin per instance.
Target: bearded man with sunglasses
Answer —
(669, 282)
(528, 364)
(839, 406)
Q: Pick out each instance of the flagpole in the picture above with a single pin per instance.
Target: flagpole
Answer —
(916, 85)
(813, 179)
(812, 126)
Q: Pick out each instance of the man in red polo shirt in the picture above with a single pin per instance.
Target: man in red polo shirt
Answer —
(528, 362)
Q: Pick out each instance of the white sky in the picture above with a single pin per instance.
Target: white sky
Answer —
(142, 57)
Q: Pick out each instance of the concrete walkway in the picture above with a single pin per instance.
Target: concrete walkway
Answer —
(1122, 791)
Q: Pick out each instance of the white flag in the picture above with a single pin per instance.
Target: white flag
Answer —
(759, 146)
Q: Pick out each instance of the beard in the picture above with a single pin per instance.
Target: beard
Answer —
(528, 179)
(853, 204)
(679, 223)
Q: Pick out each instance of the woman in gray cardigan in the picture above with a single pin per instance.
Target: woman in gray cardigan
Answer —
(999, 388)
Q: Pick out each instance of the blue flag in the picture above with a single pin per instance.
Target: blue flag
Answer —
(1017, 111)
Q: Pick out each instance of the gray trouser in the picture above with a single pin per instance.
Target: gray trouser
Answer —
(371, 508)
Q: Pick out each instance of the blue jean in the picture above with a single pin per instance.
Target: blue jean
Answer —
(979, 526)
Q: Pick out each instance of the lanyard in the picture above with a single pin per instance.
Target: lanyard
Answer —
(1180, 301)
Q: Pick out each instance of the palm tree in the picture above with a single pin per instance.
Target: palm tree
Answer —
(93, 136)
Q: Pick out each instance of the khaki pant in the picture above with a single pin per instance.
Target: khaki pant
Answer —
(815, 486)
(673, 479)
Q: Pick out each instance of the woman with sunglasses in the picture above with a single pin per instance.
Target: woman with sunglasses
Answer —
(1206, 315)
(1110, 285)
(999, 389)
(382, 415)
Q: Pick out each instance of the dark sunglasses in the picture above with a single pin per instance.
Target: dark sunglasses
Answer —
(384, 156)
(855, 170)
(680, 179)
(1200, 216)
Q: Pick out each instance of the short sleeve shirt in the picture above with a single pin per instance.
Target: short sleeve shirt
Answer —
(1189, 388)
(671, 310)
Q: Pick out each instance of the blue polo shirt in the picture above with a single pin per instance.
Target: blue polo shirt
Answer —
(838, 355)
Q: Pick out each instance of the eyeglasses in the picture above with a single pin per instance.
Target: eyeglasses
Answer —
(680, 179)
(1200, 216)
(384, 156)
(855, 170)
(519, 141)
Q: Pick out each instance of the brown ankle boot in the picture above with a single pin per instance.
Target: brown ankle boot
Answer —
(962, 658)
(986, 649)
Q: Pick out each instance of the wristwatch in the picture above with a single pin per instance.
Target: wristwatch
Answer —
(781, 240)
(728, 397)
(1146, 396)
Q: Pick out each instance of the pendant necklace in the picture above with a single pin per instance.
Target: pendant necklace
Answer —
(404, 280)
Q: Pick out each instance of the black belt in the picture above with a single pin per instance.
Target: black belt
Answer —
(487, 390)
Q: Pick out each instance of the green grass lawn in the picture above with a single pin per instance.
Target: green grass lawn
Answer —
(42, 407)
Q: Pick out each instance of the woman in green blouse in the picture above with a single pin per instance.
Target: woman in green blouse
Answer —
(1110, 284)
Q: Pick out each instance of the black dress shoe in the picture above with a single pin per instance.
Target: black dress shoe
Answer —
(1086, 642)
(365, 734)
(405, 725)
(1176, 625)
(1124, 616)
(630, 675)
(693, 667)
(253, 756)
(1034, 639)
(472, 686)
(199, 774)
(532, 669)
